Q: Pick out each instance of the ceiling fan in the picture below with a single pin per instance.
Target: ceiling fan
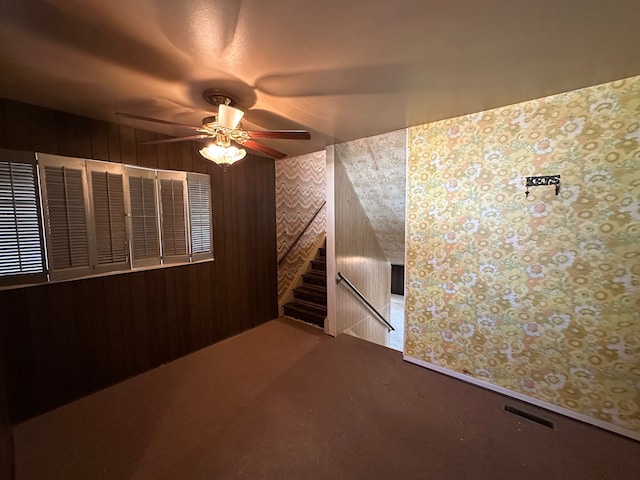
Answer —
(223, 130)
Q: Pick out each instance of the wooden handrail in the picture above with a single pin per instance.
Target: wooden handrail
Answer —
(295, 242)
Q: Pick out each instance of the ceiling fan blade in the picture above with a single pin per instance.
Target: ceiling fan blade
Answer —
(156, 120)
(285, 134)
(178, 139)
(264, 149)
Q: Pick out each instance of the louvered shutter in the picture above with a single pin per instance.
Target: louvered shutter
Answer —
(200, 223)
(173, 218)
(145, 241)
(21, 247)
(66, 216)
(109, 217)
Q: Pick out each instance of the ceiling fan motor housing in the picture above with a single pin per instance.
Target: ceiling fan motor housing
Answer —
(216, 98)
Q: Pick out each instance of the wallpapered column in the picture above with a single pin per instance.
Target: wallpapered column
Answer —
(539, 295)
(300, 191)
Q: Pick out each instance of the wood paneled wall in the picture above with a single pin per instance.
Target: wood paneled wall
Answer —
(360, 259)
(6, 437)
(62, 341)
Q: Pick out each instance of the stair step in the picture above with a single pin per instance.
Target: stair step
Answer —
(306, 311)
(314, 277)
(310, 293)
(318, 289)
(319, 264)
(308, 306)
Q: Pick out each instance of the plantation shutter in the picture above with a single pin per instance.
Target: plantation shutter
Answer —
(145, 241)
(173, 218)
(66, 215)
(200, 223)
(109, 216)
(21, 247)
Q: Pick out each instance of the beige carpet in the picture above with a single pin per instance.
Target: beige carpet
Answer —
(284, 401)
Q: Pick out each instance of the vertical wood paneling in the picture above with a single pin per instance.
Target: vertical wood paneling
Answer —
(42, 131)
(173, 338)
(16, 125)
(174, 156)
(6, 434)
(61, 331)
(360, 259)
(115, 330)
(147, 155)
(99, 140)
(127, 136)
(92, 342)
(241, 261)
(156, 285)
(162, 150)
(186, 156)
(194, 308)
(85, 372)
(74, 135)
(113, 136)
(99, 332)
(204, 285)
(183, 313)
(40, 316)
(143, 342)
(124, 289)
(62, 341)
(198, 163)
(3, 135)
(15, 326)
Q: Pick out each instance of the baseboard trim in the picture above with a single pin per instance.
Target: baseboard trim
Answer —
(526, 398)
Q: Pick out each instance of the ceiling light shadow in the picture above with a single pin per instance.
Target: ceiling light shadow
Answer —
(93, 38)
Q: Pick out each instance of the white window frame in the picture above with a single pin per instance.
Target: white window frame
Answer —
(180, 177)
(86, 168)
(57, 161)
(140, 172)
(114, 169)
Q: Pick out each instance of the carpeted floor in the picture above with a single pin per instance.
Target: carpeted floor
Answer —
(284, 401)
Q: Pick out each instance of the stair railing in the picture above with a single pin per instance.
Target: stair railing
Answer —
(357, 292)
(302, 232)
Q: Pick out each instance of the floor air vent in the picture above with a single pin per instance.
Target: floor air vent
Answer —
(529, 416)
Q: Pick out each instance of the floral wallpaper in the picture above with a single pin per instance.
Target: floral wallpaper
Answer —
(537, 294)
(300, 191)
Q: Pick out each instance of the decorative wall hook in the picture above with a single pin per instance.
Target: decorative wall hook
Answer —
(543, 180)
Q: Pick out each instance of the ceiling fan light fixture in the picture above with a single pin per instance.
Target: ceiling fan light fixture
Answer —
(229, 117)
(223, 156)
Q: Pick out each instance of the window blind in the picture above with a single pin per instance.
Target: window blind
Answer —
(21, 248)
(144, 217)
(109, 216)
(173, 217)
(200, 224)
(98, 217)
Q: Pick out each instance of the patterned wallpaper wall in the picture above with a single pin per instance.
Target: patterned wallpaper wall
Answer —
(540, 295)
(300, 190)
(377, 169)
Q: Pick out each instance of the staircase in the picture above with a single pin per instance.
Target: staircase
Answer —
(310, 299)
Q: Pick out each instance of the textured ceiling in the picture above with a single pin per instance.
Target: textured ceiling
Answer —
(344, 69)
(377, 169)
